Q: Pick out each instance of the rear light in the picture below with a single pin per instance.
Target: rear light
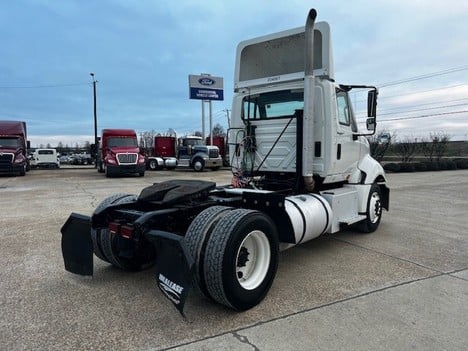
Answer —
(114, 227)
(125, 231)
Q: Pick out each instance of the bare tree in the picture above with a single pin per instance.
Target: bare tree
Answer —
(436, 146)
(406, 149)
(218, 130)
(147, 141)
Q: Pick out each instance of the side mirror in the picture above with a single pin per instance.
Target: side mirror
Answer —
(372, 103)
(370, 124)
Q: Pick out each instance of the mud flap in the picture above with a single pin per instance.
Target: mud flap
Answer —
(77, 245)
(174, 270)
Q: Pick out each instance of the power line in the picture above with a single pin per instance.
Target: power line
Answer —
(421, 109)
(423, 76)
(43, 86)
(423, 116)
(417, 105)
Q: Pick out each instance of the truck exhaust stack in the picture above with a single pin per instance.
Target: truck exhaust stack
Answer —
(309, 85)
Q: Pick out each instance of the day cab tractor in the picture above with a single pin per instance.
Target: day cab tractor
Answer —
(301, 169)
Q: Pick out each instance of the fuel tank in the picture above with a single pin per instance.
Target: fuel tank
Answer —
(310, 216)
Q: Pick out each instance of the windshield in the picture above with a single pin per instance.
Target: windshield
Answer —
(192, 142)
(122, 142)
(10, 142)
(273, 104)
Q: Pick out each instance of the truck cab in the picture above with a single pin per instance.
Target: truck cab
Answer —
(194, 153)
(266, 134)
(13, 147)
(120, 154)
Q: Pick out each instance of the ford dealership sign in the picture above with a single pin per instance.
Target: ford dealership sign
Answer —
(206, 87)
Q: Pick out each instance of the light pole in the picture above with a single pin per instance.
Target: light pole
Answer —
(96, 145)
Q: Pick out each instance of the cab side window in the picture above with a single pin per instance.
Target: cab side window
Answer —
(342, 108)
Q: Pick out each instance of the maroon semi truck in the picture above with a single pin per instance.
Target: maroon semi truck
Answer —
(13, 147)
(120, 154)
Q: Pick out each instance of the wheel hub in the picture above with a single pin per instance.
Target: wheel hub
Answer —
(253, 260)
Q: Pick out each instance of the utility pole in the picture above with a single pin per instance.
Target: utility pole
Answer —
(96, 143)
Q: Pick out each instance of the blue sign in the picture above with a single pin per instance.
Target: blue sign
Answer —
(206, 87)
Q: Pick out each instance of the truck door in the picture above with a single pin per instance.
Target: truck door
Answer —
(347, 145)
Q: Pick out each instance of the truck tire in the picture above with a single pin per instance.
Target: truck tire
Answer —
(143, 256)
(197, 234)
(198, 165)
(153, 165)
(107, 171)
(96, 233)
(373, 211)
(241, 259)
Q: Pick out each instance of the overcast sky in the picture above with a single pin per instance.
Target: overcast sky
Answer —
(143, 51)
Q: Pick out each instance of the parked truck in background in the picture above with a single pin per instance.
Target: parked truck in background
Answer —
(221, 143)
(14, 147)
(187, 151)
(119, 153)
(301, 169)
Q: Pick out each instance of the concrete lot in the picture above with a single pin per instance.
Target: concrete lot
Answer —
(402, 287)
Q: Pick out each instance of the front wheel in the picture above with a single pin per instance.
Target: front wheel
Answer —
(198, 165)
(241, 259)
(153, 165)
(373, 211)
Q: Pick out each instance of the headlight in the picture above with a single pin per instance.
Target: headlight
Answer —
(19, 159)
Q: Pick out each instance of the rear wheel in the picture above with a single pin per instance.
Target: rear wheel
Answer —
(373, 211)
(120, 252)
(241, 259)
(100, 167)
(197, 234)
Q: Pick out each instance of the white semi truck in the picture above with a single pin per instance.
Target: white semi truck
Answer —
(301, 169)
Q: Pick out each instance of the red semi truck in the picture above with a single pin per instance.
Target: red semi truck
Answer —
(120, 154)
(13, 147)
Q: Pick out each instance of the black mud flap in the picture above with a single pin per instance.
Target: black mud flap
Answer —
(77, 245)
(174, 269)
